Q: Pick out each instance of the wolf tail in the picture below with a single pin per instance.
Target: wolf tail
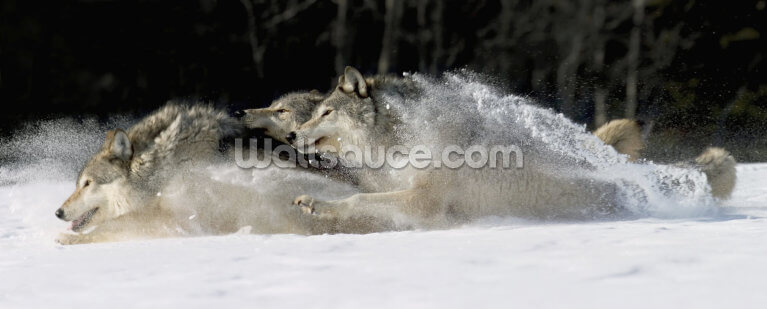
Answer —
(719, 167)
(624, 135)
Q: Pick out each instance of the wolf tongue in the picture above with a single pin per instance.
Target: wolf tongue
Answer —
(78, 221)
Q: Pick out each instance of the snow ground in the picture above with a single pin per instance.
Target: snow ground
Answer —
(712, 262)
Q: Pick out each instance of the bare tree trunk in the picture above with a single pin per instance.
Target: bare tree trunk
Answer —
(538, 77)
(390, 35)
(633, 59)
(339, 37)
(256, 51)
(423, 36)
(600, 106)
(505, 19)
(567, 76)
(600, 93)
(437, 51)
(721, 127)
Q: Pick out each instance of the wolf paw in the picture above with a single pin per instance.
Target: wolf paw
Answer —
(69, 239)
(306, 203)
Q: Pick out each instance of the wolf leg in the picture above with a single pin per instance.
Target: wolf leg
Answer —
(417, 204)
(78, 239)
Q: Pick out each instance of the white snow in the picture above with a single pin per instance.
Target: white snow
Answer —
(702, 262)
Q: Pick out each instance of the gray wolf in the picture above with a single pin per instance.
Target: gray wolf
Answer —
(337, 116)
(222, 200)
(131, 167)
(283, 116)
(552, 184)
(378, 115)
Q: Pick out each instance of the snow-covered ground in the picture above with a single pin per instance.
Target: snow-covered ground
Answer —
(712, 262)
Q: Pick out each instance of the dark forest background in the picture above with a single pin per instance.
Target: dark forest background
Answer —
(692, 70)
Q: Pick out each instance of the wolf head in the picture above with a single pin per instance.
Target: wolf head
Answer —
(347, 115)
(283, 115)
(340, 119)
(100, 190)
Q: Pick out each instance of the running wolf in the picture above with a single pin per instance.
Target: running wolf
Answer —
(210, 202)
(131, 167)
(436, 197)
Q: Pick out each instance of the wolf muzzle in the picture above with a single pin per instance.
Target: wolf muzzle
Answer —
(291, 137)
(60, 214)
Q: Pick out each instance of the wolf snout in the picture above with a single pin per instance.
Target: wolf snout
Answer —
(291, 137)
(239, 114)
(60, 214)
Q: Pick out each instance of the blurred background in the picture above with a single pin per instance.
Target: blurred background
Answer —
(692, 70)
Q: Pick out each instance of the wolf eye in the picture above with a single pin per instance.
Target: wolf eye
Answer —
(327, 112)
(86, 183)
(280, 111)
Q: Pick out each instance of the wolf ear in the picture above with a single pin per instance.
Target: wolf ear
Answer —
(119, 144)
(352, 81)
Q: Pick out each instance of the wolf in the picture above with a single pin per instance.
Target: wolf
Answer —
(195, 203)
(552, 185)
(284, 115)
(352, 87)
(131, 166)
(434, 197)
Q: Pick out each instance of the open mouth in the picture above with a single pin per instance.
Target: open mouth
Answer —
(326, 144)
(79, 223)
